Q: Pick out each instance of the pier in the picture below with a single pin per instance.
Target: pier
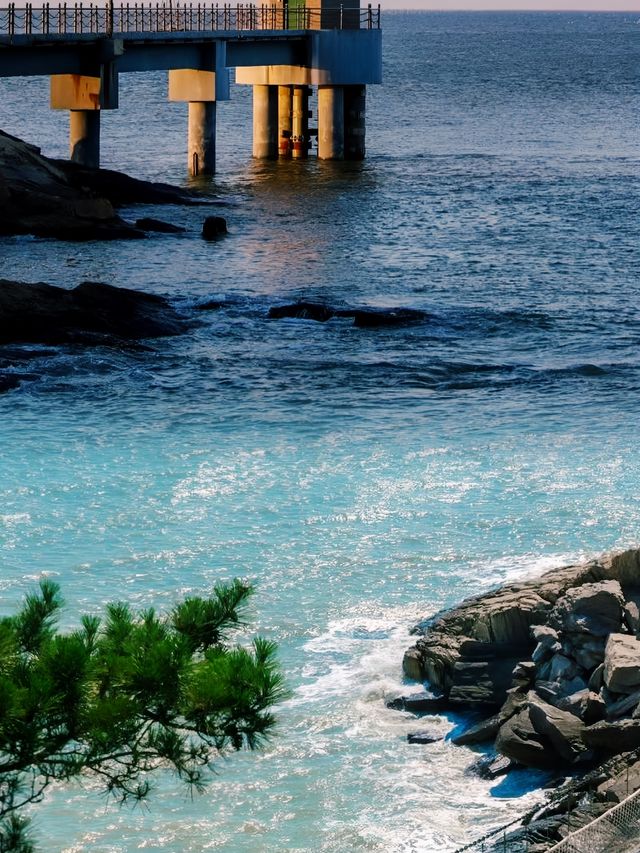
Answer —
(281, 50)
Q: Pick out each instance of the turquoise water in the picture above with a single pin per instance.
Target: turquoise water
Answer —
(363, 478)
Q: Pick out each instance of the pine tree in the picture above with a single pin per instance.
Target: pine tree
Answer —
(122, 697)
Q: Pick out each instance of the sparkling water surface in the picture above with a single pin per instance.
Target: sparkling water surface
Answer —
(364, 478)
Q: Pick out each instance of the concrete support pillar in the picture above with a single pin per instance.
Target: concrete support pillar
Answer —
(201, 141)
(300, 122)
(354, 122)
(84, 137)
(265, 122)
(285, 127)
(331, 117)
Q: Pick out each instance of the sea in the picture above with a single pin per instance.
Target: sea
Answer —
(362, 478)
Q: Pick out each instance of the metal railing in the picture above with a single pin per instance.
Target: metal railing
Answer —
(73, 19)
(617, 829)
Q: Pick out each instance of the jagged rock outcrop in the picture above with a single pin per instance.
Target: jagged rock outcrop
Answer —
(60, 199)
(555, 655)
(507, 616)
(89, 313)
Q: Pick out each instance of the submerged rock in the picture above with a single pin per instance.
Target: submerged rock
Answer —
(491, 766)
(214, 227)
(420, 703)
(373, 318)
(147, 223)
(8, 382)
(362, 317)
(425, 736)
(89, 313)
(302, 311)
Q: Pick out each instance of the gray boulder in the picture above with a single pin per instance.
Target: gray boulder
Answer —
(504, 618)
(487, 729)
(563, 729)
(622, 663)
(613, 737)
(425, 736)
(89, 313)
(623, 706)
(412, 664)
(632, 616)
(590, 707)
(518, 740)
(491, 766)
(593, 608)
(588, 651)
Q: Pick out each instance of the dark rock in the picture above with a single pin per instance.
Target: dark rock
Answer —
(613, 737)
(214, 227)
(482, 732)
(38, 197)
(594, 608)
(302, 311)
(487, 729)
(420, 703)
(429, 736)
(149, 224)
(8, 382)
(562, 729)
(548, 643)
(623, 706)
(478, 682)
(491, 766)
(518, 740)
(587, 650)
(597, 679)
(585, 704)
(370, 318)
(121, 189)
(90, 313)
(211, 305)
(622, 663)
(412, 665)
(562, 668)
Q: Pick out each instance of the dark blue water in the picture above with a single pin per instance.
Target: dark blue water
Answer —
(363, 477)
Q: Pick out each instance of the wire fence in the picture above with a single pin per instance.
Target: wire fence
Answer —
(68, 19)
(617, 829)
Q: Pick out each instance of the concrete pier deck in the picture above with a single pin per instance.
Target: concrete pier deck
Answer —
(84, 49)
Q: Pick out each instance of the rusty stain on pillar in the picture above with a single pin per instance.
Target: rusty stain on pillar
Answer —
(300, 122)
(285, 129)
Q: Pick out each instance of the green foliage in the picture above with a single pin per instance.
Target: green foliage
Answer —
(121, 698)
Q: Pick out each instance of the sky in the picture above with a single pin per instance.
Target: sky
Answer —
(542, 5)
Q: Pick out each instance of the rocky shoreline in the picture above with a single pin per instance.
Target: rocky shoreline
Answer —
(62, 200)
(553, 664)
